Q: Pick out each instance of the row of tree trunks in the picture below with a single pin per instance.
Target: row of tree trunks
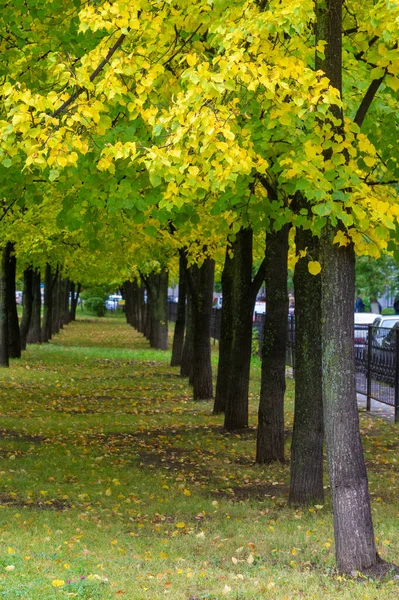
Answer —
(14, 336)
(151, 317)
(135, 307)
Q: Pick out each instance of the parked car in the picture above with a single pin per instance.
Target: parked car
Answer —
(362, 321)
(112, 301)
(382, 326)
(217, 301)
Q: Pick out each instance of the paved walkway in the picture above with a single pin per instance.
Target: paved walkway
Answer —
(377, 408)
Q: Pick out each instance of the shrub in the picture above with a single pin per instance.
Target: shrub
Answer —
(95, 305)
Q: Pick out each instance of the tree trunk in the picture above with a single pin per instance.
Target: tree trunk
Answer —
(306, 484)
(129, 302)
(49, 282)
(186, 367)
(178, 337)
(201, 290)
(244, 291)
(157, 286)
(75, 292)
(34, 334)
(270, 438)
(27, 302)
(55, 312)
(353, 526)
(141, 308)
(226, 335)
(4, 358)
(65, 305)
(14, 337)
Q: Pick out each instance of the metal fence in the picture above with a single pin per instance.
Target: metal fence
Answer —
(376, 356)
(377, 365)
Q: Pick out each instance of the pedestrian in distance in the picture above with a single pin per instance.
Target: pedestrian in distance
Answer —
(359, 304)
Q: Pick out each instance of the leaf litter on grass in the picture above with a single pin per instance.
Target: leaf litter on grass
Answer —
(114, 483)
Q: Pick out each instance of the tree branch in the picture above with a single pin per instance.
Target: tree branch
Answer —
(257, 281)
(271, 191)
(367, 100)
(98, 70)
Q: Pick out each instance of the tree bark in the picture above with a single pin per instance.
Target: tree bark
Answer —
(244, 291)
(353, 526)
(49, 283)
(226, 335)
(34, 334)
(14, 337)
(27, 302)
(178, 337)
(306, 484)
(270, 437)
(157, 287)
(201, 290)
(4, 357)
(75, 293)
(128, 295)
(186, 367)
(55, 307)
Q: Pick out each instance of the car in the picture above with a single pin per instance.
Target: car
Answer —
(217, 301)
(382, 325)
(362, 321)
(112, 301)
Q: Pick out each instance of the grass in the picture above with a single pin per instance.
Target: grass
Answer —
(115, 484)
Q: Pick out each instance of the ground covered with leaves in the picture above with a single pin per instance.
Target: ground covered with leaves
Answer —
(115, 484)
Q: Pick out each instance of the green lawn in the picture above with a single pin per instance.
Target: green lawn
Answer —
(115, 484)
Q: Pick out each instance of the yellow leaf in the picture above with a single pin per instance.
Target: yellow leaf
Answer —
(191, 60)
(369, 160)
(314, 267)
(180, 525)
(10, 550)
(187, 492)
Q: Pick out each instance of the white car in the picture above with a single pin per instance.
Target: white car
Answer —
(362, 321)
(382, 325)
(111, 302)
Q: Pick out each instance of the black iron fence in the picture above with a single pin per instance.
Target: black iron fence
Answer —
(376, 356)
(377, 364)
